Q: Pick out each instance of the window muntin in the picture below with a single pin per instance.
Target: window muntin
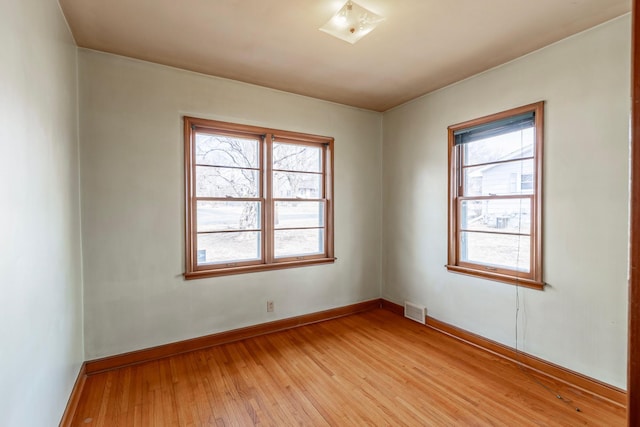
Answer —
(495, 196)
(256, 198)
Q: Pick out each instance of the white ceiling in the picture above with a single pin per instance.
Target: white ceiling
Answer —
(422, 45)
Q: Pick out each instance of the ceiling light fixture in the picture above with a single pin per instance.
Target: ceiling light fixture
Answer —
(352, 22)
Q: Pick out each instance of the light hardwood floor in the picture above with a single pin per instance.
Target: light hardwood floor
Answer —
(374, 368)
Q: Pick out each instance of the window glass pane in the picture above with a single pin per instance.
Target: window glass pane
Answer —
(290, 185)
(526, 182)
(504, 215)
(299, 214)
(300, 158)
(499, 179)
(220, 216)
(225, 182)
(219, 248)
(513, 145)
(496, 250)
(221, 150)
(298, 242)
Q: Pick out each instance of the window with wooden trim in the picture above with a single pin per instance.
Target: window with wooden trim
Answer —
(256, 198)
(495, 196)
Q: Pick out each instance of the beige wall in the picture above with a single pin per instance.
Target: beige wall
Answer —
(579, 320)
(41, 284)
(133, 209)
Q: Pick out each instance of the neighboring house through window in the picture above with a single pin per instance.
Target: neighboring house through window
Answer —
(256, 198)
(495, 196)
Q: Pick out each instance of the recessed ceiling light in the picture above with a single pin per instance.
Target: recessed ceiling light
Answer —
(352, 22)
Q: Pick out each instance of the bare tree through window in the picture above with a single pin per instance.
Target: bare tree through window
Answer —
(256, 198)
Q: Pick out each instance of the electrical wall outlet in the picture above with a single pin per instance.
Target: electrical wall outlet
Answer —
(269, 306)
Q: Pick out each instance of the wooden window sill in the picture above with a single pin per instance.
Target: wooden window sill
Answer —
(512, 280)
(200, 274)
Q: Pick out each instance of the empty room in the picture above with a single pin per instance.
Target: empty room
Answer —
(318, 212)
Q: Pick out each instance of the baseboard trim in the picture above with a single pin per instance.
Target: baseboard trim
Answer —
(172, 349)
(558, 373)
(392, 307)
(74, 397)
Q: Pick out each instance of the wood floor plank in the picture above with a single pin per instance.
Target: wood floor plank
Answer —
(372, 368)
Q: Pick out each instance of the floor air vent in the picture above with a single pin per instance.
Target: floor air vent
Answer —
(414, 312)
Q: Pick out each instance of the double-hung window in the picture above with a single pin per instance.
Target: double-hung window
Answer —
(495, 196)
(256, 198)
